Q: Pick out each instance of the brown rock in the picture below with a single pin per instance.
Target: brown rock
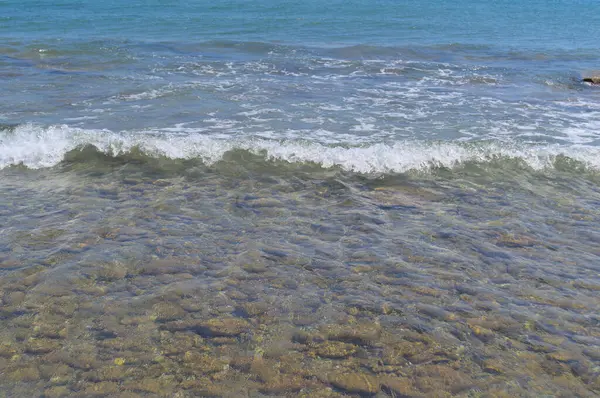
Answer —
(30, 373)
(41, 346)
(363, 334)
(165, 312)
(205, 363)
(335, 349)
(7, 350)
(222, 327)
(14, 298)
(101, 389)
(399, 387)
(356, 383)
(283, 384)
(592, 79)
(57, 392)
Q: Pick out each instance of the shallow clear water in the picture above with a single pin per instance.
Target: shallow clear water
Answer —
(280, 199)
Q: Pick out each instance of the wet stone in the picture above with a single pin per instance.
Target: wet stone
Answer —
(149, 386)
(172, 265)
(41, 346)
(109, 373)
(319, 392)
(14, 298)
(102, 388)
(7, 350)
(57, 392)
(355, 383)
(255, 268)
(562, 356)
(255, 308)
(25, 374)
(482, 333)
(434, 312)
(164, 312)
(222, 327)
(283, 384)
(264, 202)
(335, 349)
(437, 378)
(50, 331)
(192, 305)
(398, 387)
(492, 366)
(362, 334)
(515, 241)
(111, 272)
(205, 363)
(592, 353)
(540, 346)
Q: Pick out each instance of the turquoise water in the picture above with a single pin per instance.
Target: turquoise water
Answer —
(317, 199)
(340, 74)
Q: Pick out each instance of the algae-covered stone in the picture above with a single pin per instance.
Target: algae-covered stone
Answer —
(255, 268)
(434, 312)
(24, 374)
(111, 272)
(355, 383)
(396, 354)
(483, 334)
(7, 350)
(205, 363)
(492, 366)
(14, 298)
(335, 349)
(41, 346)
(264, 370)
(164, 312)
(561, 356)
(283, 384)
(50, 331)
(102, 388)
(319, 392)
(172, 265)
(151, 386)
(57, 392)
(593, 353)
(57, 374)
(398, 387)
(515, 241)
(438, 378)
(191, 305)
(362, 334)
(223, 327)
(255, 308)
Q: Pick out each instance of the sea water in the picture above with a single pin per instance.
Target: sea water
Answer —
(273, 198)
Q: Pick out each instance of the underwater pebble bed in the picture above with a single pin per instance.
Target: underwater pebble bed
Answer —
(119, 279)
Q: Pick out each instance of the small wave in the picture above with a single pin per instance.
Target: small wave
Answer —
(35, 146)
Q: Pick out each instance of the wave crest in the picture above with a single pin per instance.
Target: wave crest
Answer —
(40, 147)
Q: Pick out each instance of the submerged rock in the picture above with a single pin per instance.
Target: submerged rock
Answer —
(335, 349)
(223, 327)
(355, 383)
(361, 334)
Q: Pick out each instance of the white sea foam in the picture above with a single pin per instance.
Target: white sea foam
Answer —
(39, 147)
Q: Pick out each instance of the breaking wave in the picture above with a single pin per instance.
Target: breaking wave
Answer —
(37, 147)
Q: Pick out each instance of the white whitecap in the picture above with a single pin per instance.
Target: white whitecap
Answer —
(37, 147)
